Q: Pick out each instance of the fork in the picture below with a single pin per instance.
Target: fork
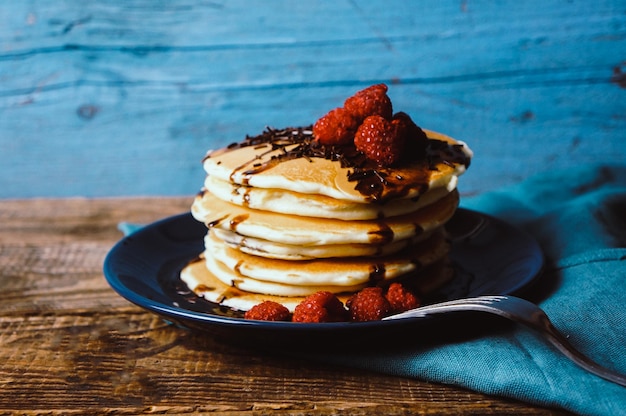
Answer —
(520, 311)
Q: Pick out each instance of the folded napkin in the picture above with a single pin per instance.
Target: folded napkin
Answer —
(579, 218)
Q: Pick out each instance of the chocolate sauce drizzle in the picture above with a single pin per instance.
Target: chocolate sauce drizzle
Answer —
(377, 183)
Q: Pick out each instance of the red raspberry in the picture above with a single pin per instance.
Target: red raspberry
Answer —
(368, 305)
(400, 298)
(336, 127)
(370, 101)
(378, 140)
(320, 307)
(406, 126)
(268, 311)
(414, 137)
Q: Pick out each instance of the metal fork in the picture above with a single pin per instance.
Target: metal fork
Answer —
(521, 311)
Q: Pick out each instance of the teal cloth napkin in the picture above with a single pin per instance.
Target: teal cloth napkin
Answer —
(579, 218)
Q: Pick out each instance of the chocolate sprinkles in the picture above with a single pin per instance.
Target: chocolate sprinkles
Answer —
(377, 183)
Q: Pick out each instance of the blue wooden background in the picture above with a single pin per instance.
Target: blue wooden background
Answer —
(105, 98)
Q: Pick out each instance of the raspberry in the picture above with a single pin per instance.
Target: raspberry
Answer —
(368, 305)
(335, 128)
(400, 298)
(320, 307)
(378, 140)
(414, 137)
(406, 126)
(368, 102)
(268, 311)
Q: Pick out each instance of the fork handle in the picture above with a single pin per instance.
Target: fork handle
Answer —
(563, 345)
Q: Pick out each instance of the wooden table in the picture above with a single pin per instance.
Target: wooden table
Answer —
(70, 345)
(117, 99)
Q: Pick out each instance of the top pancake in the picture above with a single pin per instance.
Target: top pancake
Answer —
(277, 163)
(320, 206)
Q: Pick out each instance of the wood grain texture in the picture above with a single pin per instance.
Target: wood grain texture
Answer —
(124, 98)
(70, 345)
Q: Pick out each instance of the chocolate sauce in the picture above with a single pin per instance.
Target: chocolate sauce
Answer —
(204, 288)
(237, 267)
(382, 235)
(377, 183)
(216, 222)
(246, 197)
(244, 191)
(238, 220)
(377, 274)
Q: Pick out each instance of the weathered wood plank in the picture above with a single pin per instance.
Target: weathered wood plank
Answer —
(125, 98)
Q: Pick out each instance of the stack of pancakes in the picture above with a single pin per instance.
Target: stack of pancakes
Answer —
(287, 217)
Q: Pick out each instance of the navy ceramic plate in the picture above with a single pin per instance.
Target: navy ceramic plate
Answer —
(491, 257)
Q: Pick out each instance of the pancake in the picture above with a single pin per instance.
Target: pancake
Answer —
(267, 248)
(311, 231)
(246, 284)
(335, 274)
(278, 163)
(204, 284)
(319, 206)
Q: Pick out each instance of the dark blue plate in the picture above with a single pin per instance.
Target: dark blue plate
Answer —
(490, 256)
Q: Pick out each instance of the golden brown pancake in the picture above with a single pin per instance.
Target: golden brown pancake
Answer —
(288, 278)
(320, 206)
(202, 282)
(298, 230)
(265, 166)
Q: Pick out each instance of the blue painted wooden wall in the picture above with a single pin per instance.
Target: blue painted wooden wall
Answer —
(104, 98)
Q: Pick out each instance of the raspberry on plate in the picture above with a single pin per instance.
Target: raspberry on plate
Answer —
(320, 307)
(368, 305)
(335, 128)
(370, 101)
(400, 298)
(268, 311)
(378, 140)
